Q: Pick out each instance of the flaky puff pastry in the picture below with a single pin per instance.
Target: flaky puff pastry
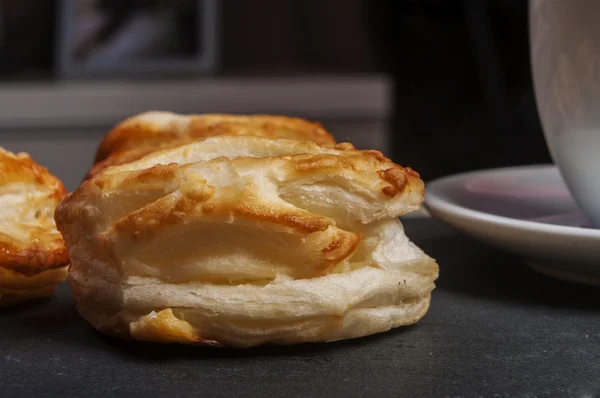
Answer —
(148, 132)
(33, 256)
(240, 241)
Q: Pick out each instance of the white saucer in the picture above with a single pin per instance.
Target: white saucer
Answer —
(525, 210)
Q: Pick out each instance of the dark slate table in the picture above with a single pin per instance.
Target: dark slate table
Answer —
(495, 329)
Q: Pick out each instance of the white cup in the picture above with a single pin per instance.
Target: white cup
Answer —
(565, 59)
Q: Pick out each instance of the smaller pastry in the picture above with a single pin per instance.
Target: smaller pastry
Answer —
(149, 132)
(33, 256)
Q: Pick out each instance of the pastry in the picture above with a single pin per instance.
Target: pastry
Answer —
(242, 240)
(33, 256)
(151, 131)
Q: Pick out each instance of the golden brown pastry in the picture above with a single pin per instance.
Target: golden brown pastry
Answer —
(151, 131)
(33, 256)
(241, 240)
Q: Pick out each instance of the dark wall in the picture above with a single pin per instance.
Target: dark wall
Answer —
(464, 96)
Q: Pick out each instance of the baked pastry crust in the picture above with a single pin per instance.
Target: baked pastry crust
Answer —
(33, 255)
(16, 287)
(242, 240)
(151, 131)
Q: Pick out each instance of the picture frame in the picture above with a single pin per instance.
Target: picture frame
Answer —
(115, 62)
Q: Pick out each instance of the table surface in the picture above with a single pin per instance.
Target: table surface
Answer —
(495, 328)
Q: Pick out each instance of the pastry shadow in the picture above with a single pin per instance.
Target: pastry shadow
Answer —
(31, 305)
(53, 318)
(302, 352)
(485, 271)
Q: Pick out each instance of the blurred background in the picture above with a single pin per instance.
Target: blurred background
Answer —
(442, 86)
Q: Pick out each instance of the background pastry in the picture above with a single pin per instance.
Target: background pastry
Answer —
(151, 131)
(33, 257)
(241, 240)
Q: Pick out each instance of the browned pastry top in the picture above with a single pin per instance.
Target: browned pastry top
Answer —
(147, 132)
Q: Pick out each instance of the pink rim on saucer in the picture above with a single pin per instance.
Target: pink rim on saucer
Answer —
(527, 211)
